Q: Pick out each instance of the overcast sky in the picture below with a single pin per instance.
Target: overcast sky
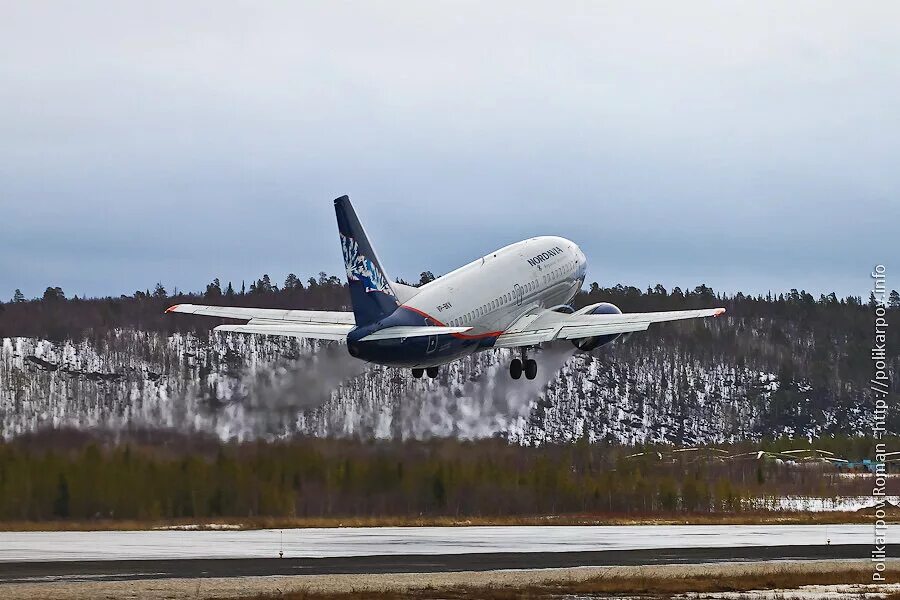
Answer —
(750, 146)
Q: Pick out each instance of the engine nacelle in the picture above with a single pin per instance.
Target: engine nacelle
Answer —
(591, 343)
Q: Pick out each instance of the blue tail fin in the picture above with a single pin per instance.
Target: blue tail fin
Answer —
(370, 289)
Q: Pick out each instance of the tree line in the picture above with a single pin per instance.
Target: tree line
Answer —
(79, 476)
(56, 317)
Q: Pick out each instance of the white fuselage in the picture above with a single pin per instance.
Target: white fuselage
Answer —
(490, 294)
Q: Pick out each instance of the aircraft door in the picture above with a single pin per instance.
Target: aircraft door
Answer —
(432, 344)
(519, 293)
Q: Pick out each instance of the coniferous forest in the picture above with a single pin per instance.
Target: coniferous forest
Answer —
(144, 477)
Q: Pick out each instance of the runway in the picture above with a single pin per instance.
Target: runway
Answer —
(128, 570)
(387, 541)
(128, 555)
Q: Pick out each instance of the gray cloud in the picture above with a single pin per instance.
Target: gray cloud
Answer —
(750, 146)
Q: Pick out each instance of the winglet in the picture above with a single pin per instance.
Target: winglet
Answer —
(173, 308)
(719, 312)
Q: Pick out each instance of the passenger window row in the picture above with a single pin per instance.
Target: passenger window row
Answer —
(492, 305)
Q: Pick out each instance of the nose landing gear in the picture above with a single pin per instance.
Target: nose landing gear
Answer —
(524, 365)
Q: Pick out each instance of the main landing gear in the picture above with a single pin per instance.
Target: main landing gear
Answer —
(431, 371)
(524, 365)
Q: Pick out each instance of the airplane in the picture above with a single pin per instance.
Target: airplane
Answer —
(515, 297)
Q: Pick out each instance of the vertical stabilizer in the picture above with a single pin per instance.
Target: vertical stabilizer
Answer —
(370, 289)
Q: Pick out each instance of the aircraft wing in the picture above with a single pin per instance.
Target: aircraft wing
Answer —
(550, 325)
(317, 324)
(301, 330)
(335, 332)
(328, 317)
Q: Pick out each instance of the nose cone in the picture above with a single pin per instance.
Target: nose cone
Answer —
(582, 263)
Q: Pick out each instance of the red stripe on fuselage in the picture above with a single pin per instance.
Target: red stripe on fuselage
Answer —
(456, 335)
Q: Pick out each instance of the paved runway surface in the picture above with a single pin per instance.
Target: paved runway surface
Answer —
(391, 541)
(119, 570)
(127, 555)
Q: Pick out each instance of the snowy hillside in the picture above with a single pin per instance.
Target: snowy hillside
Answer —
(247, 387)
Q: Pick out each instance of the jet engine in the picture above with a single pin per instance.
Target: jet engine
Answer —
(590, 343)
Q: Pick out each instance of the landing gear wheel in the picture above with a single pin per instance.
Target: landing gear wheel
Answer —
(515, 368)
(417, 373)
(530, 368)
(432, 372)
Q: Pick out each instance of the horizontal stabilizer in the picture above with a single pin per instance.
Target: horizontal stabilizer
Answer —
(402, 331)
(404, 292)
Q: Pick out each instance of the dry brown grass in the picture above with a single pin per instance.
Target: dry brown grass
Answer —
(658, 581)
(663, 587)
(749, 518)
